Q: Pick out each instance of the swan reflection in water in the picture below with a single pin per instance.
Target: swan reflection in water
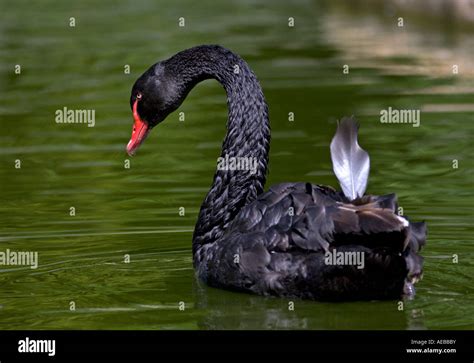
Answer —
(226, 310)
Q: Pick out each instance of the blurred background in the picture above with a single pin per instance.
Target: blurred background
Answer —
(135, 211)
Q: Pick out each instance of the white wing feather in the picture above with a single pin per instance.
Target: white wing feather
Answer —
(350, 162)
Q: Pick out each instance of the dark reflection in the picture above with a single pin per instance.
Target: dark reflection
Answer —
(230, 310)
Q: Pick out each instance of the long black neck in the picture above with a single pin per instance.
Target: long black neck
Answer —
(248, 135)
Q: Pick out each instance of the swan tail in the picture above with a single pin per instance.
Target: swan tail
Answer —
(389, 237)
(416, 239)
(350, 162)
(371, 221)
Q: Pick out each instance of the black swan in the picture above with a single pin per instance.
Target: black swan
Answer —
(297, 239)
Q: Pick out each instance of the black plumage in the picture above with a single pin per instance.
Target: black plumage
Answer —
(277, 242)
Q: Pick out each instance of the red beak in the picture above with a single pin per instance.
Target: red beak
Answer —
(139, 132)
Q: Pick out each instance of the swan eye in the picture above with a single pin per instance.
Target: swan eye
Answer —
(139, 96)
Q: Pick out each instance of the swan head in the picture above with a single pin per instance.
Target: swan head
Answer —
(154, 96)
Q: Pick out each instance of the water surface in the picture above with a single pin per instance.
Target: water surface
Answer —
(135, 211)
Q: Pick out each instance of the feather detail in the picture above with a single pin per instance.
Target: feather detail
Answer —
(350, 162)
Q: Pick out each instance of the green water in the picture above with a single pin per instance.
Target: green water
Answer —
(135, 211)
